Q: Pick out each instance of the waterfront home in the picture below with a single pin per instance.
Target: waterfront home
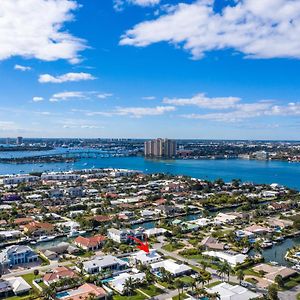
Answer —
(258, 230)
(38, 228)
(167, 210)
(147, 213)
(270, 272)
(243, 233)
(107, 263)
(12, 179)
(123, 235)
(90, 243)
(171, 266)
(84, 292)
(19, 285)
(280, 223)
(118, 283)
(231, 257)
(9, 234)
(57, 274)
(60, 176)
(232, 292)
(17, 255)
(212, 243)
(222, 218)
(54, 252)
(145, 258)
(154, 232)
(22, 221)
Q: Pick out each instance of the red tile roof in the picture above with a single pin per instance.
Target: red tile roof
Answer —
(89, 241)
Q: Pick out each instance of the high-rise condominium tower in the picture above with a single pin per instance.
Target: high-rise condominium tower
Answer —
(160, 148)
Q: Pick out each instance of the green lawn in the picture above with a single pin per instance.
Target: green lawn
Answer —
(213, 284)
(135, 296)
(29, 278)
(182, 296)
(292, 282)
(152, 290)
(172, 247)
(186, 279)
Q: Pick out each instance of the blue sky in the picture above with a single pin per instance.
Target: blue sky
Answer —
(150, 68)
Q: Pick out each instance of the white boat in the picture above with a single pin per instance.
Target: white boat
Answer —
(45, 238)
(75, 233)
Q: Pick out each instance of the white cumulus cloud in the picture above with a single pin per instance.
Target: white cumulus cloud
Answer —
(47, 78)
(22, 68)
(65, 96)
(35, 29)
(256, 28)
(37, 99)
(201, 100)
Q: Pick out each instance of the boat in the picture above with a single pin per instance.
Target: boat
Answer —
(296, 267)
(273, 263)
(266, 244)
(45, 238)
(75, 233)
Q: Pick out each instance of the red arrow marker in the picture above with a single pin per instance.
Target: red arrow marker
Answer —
(142, 246)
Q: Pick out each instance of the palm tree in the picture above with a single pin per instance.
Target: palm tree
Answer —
(129, 286)
(208, 277)
(178, 285)
(200, 279)
(240, 275)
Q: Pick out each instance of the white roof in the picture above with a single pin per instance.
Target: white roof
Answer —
(144, 257)
(171, 266)
(118, 282)
(232, 292)
(18, 284)
(231, 258)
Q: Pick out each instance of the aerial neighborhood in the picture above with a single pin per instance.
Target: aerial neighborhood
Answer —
(121, 234)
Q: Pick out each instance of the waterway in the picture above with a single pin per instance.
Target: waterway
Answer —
(281, 172)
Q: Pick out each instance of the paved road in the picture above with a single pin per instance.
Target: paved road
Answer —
(191, 262)
(290, 294)
(40, 268)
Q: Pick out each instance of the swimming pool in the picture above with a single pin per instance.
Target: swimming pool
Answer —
(62, 295)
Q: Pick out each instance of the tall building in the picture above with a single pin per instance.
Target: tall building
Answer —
(19, 140)
(160, 148)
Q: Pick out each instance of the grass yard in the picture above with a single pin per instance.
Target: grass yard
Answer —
(186, 279)
(135, 296)
(213, 284)
(173, 246)
(152, 290)
(292, 282)
(182, 296)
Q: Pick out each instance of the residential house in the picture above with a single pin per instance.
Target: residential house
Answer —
(90, 243)
(145, 258)
(17, 255)
(212, 243)
(227, 291)
(38, 228)
(171, 266)
(84, 292)
(57, 274)
(19, 285)
(107, 263)
(118, 283)
(123, 235)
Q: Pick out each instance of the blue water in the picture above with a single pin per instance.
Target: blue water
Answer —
(62, 294)
(281, 172)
